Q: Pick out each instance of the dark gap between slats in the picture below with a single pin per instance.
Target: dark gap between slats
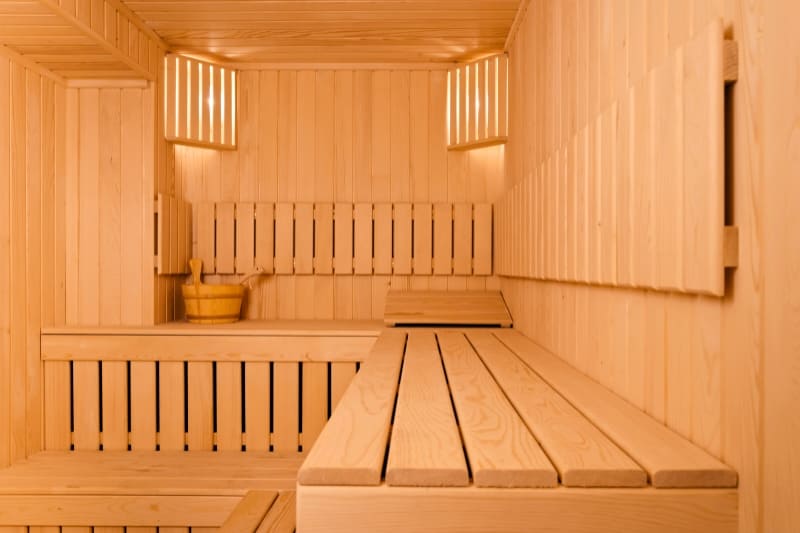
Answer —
(158, 404)
(185, 403)
(299, 404)
(128, 397)
(271, 403)
(100, 399)
(243, 382)
(71, 403)
(214, 402)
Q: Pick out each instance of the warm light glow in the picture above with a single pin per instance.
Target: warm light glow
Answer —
(476, 95)
(193, 92)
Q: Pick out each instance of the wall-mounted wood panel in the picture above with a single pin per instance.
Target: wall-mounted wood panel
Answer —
(384, 243)
(653, 200)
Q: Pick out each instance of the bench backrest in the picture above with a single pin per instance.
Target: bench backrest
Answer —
(194, 392)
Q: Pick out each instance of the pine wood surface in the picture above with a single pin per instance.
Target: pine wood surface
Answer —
(481, 510)
(106, 41)
(424, 422)
(451, 307)
(333, 31)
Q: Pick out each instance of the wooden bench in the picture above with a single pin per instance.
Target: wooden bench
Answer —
(173, 425)
(485, 431)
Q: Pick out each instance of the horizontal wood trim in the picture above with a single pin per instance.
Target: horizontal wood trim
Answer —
(203, 348)
(258, 328)
(289, 65)
(104, 510)
(103, 83)
(472, 510)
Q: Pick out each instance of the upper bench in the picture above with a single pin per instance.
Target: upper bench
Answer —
(437, 423)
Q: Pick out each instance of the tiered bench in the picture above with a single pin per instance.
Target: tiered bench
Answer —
(173, 425)
(484, 431)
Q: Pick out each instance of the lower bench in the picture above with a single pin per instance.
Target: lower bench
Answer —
(486, 431)
(137, 489)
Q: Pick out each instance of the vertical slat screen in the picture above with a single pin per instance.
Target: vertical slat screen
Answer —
(200, 102)
(636, 198)
(231, 405)
(342, 238)
(478, 103)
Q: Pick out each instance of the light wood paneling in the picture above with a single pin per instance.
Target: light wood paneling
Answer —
(696, 363)
(332, 31)
(113, 210)
(31, 177)
(371, 165)
(654, 200)
(478, 110)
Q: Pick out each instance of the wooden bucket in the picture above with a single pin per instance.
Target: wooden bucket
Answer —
(211, 304)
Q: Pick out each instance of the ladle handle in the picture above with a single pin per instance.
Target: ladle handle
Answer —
(197, 267)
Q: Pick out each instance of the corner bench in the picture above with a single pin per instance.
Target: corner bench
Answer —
(172, 426)
(483, 430)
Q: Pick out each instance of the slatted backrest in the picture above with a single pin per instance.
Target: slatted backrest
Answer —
(343, 238)
(636, 198)
(194, 392)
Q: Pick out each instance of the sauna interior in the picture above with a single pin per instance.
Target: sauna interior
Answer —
(512, 266)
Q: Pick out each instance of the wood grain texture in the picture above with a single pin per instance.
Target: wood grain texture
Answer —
(250, 512)
(418, 510)
(583, 455)
(281, 516)
(364, 413)
(501, 450)
(680, 464)
(440, 307)
(425, 448)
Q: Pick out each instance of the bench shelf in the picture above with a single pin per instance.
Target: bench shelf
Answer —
(483, 430)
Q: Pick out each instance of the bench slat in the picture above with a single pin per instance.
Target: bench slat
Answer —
(155, 473)
(501, 450)
(281, 517)
(583, 455)
(143, 405)
(86, 409)
(351, 448)
(256, 406)
(171, 434)
(200, 406)
(249, 513)
(426, 448)
(229, 406)
(670, 460)
(286, 391)
(315, 401)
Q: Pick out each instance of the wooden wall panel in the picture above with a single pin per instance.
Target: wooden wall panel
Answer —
(293, 148)
(672, 122)
(31, 278)
(717, 370)
(114, 206)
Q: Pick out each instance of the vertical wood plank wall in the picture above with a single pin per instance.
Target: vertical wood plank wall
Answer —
(340, 136)
(110, 173)
(31, 246)
(721, 371)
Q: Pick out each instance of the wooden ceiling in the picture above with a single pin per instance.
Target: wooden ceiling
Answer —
(255, 31)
